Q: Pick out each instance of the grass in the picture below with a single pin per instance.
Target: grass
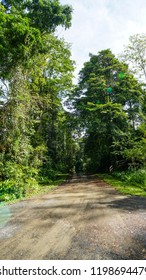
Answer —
(123, 186)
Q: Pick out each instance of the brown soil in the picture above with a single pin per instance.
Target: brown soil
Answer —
(82, 219)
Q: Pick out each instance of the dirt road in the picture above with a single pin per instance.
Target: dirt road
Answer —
(82, 219)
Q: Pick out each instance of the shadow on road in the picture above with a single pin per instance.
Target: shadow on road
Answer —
(84, 218)
(133, 203)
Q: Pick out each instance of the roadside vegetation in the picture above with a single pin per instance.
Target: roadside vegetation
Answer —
(50, 126)
(10, 191)
(127, 182)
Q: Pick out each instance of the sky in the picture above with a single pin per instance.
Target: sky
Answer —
(102, 24)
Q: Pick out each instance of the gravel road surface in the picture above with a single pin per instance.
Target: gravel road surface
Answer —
(83, 219)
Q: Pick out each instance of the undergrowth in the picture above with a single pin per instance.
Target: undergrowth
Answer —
(127, 182)
(12, 190)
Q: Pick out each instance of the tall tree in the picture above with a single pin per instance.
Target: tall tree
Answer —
(35, 74)
(107, 101)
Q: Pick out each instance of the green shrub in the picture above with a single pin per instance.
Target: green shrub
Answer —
(18, 181)
(9, 190)
(136, 178)
(45, 180)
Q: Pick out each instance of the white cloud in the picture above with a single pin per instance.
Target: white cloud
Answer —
(102, 24)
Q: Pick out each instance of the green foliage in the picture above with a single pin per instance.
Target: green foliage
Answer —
(44, 15)
(129, 182)
(135, 149)
(18, 180)
(39, 139)
(35, 75)
(9, 190)
(108, 102)
(136, 178)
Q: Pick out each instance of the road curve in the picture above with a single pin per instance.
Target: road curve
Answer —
(83, 219)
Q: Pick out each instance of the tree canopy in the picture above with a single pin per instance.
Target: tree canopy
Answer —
(40, 138)
(36, 73)
(108, 102)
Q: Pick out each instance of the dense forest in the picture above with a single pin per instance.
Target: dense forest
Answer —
(50, 126)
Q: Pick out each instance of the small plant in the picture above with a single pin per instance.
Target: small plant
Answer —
(128, 182)
(137, 178)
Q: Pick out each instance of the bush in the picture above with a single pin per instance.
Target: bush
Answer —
(18, 181)
(9, 190)
(47, 174)
(136, 178)
(45, 180)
